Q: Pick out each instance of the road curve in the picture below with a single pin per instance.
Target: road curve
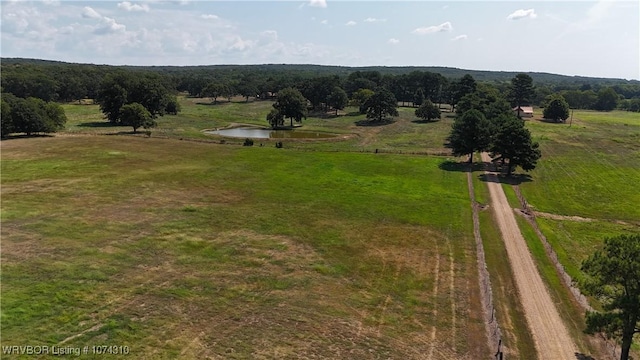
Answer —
(550, 335)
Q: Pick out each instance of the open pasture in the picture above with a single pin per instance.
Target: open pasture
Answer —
(406, 134)
(585, 187)
(312, 250)
(192, 250)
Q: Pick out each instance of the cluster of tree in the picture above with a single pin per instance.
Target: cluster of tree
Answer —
(30, 115)
(292, 104)
(135, 100)
(606, 99)
(505, 137)
(485, 122)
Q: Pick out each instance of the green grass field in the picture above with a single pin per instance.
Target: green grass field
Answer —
(181, 249)
(189, 249)
(405, 134)
(589, 176)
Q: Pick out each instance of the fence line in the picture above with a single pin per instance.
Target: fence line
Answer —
(494, 334)
(529, 215)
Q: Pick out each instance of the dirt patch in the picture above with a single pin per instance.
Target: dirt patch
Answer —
(561, 217)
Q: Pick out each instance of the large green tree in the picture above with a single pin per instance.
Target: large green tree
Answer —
(381, 104)
(247, 87)
(111, 97)
(275, 118)
(486, 99)
(31, 115)
(6, 124)
(458, 89)
(513, 145)
(136, 116)
(291, 104)
(521, 90)
(214, 90)
(557, 108)
(360, 97)
(614, 279)
(607, 99)
(428, 111)
(123, 88)
(470, 132)
(338, 99)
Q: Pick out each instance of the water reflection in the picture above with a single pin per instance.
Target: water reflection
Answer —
(258, 133)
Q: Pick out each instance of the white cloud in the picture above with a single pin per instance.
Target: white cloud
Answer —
(88, 12)
(393, 41)
(125, 5)
(66, 30)
(270, 35)
(459, 37)
(446, 26)
(241, 45)
(324, 22)
(209, 16)
(14, 22)
(371, 20)
(522, 14)
(596, 13)
(351, 23)
(109, 25)
(318, 3)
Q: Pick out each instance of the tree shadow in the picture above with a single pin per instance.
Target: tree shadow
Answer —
(513, 179)
(212, 103)
(366, 122)
(581, 356)
(139, 132)
(96, 124)
(551, 121)
(25, 136)
(462, 166)
(420, 121)
(324, 114)
(353, 113)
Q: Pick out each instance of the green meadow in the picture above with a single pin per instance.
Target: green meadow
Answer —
(193, 250)
(188, 245)
(588, 176)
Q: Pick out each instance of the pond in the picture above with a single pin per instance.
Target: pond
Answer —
(260, 133)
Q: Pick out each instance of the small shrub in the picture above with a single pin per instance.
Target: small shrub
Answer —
(279, 145)
(248, 142)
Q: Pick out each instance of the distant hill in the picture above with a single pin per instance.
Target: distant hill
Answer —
(451, 73)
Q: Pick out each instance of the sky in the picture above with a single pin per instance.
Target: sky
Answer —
(586, 38)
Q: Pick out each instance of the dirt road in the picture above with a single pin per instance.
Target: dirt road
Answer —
(551, 337)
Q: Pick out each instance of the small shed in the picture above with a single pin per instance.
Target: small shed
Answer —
(523, 111)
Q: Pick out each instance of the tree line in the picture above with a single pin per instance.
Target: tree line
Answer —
(155, 89)
(64, 82)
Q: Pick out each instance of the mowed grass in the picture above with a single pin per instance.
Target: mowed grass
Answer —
(189, 250)
(405, 134)
(585, 189)
(590, 169)
(589, 175)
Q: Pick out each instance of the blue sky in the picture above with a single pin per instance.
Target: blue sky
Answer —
(597, 38)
